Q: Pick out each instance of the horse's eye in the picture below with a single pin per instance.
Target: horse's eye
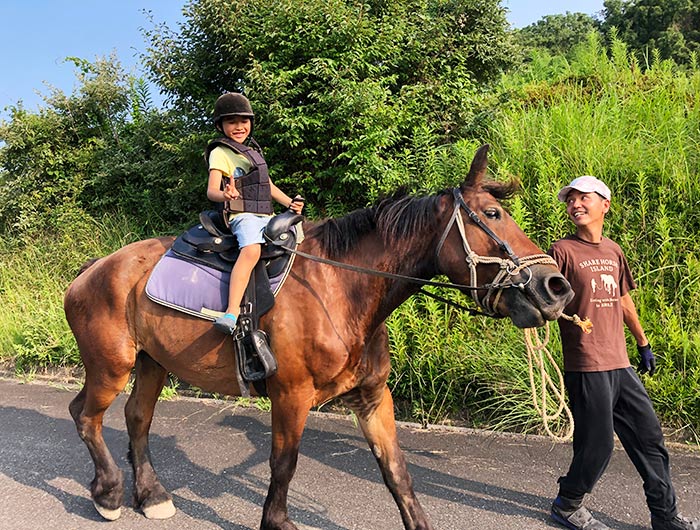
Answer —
(492, 213)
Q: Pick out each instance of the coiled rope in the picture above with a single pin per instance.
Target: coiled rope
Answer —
(538, 355)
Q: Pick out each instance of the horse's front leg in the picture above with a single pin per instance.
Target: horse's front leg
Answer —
(379, 428)
(289, 413)
(149, 494)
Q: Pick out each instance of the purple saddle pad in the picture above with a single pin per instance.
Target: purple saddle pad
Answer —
(194, 288)
(189, 287)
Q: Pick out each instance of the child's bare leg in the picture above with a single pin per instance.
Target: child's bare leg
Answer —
(240, 276)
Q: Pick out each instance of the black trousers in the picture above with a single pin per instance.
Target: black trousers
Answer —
(616, 400)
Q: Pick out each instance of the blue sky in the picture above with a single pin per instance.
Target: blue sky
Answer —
(36, 36)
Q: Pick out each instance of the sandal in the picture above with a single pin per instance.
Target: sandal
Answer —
(580, 519)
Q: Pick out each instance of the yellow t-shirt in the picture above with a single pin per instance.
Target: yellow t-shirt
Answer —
(227, 160)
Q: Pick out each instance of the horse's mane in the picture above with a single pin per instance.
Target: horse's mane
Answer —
(501, 190)
(396, 219)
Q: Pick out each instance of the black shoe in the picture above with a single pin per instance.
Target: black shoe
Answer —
(677, 523)
(579, 519)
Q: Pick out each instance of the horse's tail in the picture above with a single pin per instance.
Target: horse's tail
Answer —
(89, 263)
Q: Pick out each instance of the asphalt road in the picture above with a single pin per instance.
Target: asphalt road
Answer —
(213, 457)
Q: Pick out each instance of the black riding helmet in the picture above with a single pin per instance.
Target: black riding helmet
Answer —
(232, 104)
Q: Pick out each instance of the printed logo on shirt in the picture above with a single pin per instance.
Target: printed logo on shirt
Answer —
(604, 287)
(599, 265)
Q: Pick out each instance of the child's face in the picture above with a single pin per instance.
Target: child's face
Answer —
(236, 127)
(586, 208)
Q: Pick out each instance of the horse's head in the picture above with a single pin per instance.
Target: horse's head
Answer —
(482, 247)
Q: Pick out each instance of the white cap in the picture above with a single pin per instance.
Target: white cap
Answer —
(585, 184)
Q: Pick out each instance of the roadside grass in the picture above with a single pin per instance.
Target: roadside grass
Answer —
(34, 275)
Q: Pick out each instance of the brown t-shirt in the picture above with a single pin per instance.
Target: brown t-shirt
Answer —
(599, 276)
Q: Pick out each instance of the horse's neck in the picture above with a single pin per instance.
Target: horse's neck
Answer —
(411, 260)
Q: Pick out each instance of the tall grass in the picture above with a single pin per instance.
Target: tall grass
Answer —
(34, 273)
(639, 130)
(449, 366)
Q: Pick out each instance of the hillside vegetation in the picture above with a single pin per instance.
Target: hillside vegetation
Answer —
(636, 128)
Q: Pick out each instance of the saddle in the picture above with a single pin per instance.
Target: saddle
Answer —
(210, 243)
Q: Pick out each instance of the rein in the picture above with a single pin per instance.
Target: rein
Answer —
(392, 276)
(508, 267)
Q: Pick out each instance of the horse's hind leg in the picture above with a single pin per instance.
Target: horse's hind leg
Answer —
(149, 494)
(87, 410)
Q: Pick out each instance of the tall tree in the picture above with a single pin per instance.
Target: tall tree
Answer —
(49, 157)
(557, 33)
(100, 149)
(349, 95)
(670, 26)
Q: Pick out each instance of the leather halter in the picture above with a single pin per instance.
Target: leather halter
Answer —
(509, 268)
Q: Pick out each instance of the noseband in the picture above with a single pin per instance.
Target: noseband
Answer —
(509, 267)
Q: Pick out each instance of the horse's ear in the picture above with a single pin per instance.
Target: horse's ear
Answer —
(477, 171)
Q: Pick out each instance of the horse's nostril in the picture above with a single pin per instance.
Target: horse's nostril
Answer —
(557, 285)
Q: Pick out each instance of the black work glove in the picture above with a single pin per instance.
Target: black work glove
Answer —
(647, 361)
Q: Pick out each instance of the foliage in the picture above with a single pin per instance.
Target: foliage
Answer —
(100, 150)
(639, 130)
(345, 93)
(49, 157)
(35, 272)
(558, 34)
(353, 100)
(672, 27)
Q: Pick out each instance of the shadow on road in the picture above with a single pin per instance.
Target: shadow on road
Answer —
(46, 448)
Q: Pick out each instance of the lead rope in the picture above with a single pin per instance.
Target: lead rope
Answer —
(539, 355)
(536, 348)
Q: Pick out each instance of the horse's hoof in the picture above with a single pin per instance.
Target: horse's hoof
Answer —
(285, 525)
(106, 513)
(164, 510)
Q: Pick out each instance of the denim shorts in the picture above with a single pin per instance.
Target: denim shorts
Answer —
(248, 228)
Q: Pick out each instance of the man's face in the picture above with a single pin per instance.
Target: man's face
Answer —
(586, 208)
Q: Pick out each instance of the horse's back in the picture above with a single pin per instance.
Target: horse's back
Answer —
(102, 285)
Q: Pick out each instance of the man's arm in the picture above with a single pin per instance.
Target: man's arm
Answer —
(629, 314)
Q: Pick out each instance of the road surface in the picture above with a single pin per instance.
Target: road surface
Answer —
(212, 455)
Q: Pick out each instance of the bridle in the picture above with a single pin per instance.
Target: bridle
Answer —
(509, 267)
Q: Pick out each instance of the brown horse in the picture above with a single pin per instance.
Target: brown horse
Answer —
(327, 331)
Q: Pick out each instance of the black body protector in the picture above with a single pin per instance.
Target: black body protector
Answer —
(254, 186)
